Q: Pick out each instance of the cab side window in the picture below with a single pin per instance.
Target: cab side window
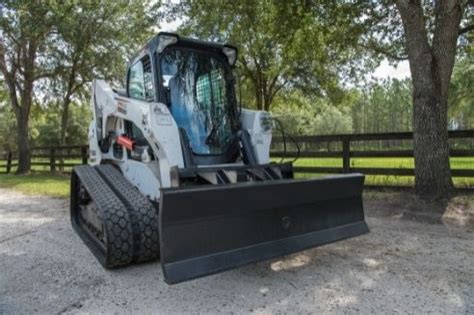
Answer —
(140, 80)
(148, 79)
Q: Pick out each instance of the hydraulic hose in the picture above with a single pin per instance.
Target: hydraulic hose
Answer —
(284, 135)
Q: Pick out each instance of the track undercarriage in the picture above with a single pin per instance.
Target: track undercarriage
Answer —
(116, 221)
(203, 229)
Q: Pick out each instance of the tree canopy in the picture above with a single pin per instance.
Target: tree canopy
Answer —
(282, 45)
(52, 50)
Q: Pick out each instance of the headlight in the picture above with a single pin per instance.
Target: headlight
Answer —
(231, 53)
(165, 39)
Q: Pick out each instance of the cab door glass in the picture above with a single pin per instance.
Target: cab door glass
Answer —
(148, 79)
(140, 84)
(136, 84)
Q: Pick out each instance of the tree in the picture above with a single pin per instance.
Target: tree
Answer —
(282, 45)
(57, 49)
(384, 106)
(296, 111)
(331, 120)
(428, 34)
(24, 29)
(7, 123)
(93, 41)
(431, 53)
(45, 124)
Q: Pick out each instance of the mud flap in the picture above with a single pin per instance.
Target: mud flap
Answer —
(209, 229)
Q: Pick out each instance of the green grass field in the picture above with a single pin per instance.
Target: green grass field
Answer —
(37, 184)
(41, 182)
(386, 180)
(456, 163)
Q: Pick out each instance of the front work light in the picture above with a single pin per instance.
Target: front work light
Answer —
(165, 39)
(231, 53)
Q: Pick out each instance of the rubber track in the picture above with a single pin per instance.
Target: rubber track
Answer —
(143, 215)
(112, 212)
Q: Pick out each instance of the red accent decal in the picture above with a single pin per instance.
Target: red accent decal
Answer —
(126, 142)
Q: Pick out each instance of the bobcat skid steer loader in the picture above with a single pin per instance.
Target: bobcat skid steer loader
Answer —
(179, 172)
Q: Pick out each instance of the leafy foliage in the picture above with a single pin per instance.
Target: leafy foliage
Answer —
(461, 97)
(380, 107)
(49, 54)
(283, 45)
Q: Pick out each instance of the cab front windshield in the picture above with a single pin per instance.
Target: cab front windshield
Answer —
(200, 99)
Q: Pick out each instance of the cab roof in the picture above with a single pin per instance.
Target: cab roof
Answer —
(154, 42)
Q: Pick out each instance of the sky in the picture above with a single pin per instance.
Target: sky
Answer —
(383, 71)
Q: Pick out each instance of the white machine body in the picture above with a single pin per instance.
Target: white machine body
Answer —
(154, 120)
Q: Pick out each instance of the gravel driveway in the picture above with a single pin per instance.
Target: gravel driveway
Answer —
(401, 266)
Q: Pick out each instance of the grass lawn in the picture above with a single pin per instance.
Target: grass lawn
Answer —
(40, 181)
(37, 184)
(456, 163)
(386, 180)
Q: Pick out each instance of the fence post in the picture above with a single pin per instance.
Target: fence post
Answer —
(52, 160)
(346, 154)
(84, 154)
(9, 161)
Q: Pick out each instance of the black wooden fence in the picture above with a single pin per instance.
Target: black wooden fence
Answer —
(383, 145)
(344, 146)
(51, 158)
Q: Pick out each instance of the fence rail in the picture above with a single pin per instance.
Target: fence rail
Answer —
(53, 158)
(344, 143)
(345, 147)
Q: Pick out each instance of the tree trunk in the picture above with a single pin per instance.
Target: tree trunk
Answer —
(258, 97)
(23, 118)
(24, 151)
(267, 103)
(71, 88)
(431, 68)
(430, 140)
(19, 45)
(64, 121)
(63, 130)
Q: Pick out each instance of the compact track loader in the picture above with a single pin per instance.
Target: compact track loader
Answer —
(178, 171)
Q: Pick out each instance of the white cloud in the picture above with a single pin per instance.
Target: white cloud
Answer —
(385, 70)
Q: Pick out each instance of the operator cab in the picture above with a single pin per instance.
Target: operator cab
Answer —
(195, 80)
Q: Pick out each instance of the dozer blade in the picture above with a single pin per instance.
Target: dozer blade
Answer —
(205, 230)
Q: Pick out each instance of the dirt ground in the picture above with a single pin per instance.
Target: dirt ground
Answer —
(403, 266)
